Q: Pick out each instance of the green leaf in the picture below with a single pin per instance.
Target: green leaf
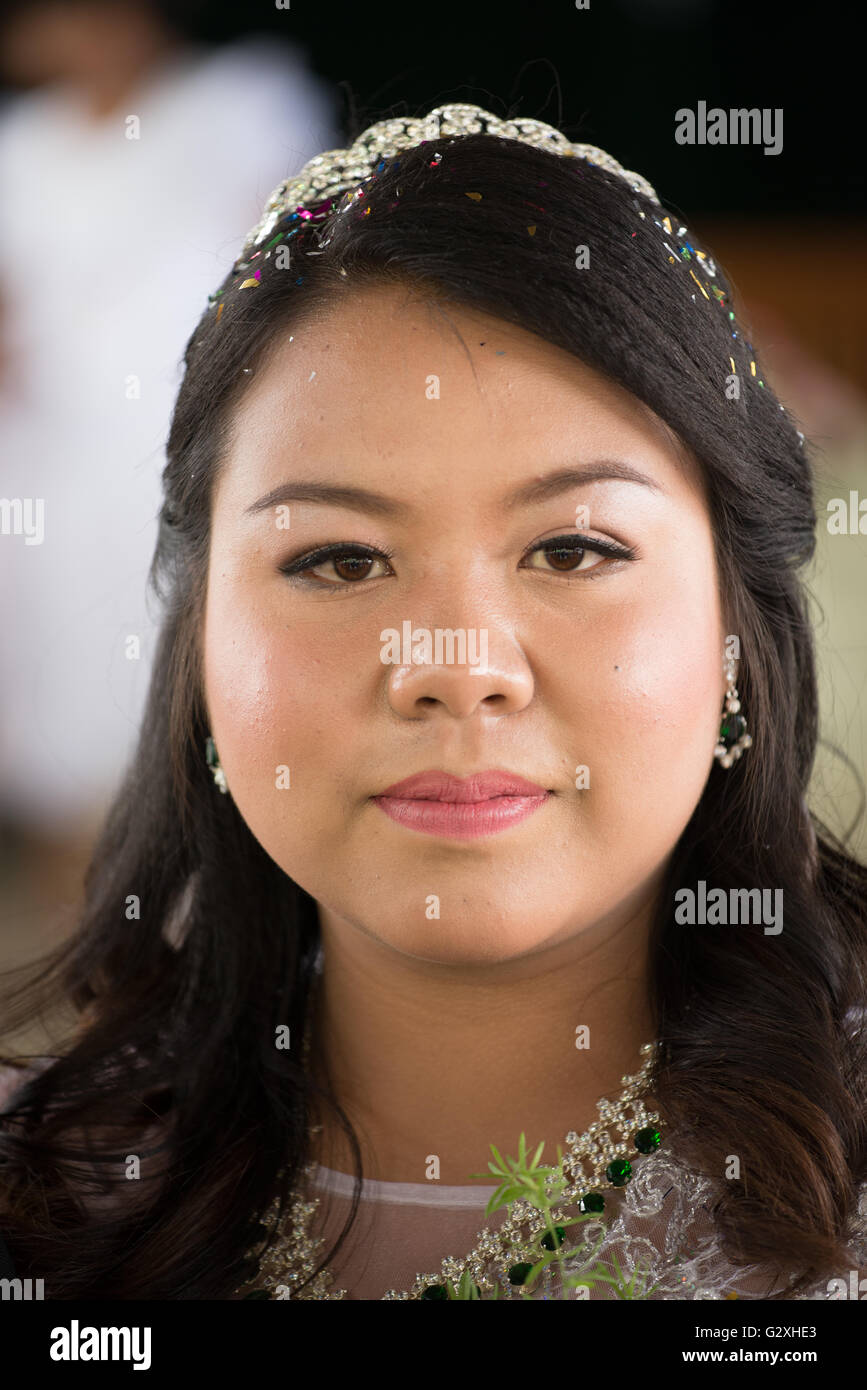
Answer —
(495, 1151)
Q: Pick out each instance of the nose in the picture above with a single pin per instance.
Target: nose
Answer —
(493, 677)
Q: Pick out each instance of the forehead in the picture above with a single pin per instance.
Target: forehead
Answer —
(394, 381)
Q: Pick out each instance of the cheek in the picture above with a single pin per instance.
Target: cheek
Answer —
(242, 665)
(279, 698)
(653, 723)
(669, 682)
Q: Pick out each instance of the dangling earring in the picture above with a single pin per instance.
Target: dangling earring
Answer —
(214, 764)
(733, 736)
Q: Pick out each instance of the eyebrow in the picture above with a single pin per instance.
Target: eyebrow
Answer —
(361, 499)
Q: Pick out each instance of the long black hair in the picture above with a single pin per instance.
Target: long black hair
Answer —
(193, 946)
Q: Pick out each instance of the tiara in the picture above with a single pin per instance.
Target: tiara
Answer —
(339, 171)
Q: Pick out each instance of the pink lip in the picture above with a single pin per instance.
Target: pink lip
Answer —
(436, 803)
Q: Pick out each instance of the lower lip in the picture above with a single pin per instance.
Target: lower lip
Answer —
(467, 820)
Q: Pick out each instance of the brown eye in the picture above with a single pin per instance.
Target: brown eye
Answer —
(566, 554)
(565, 557)
(350, 565)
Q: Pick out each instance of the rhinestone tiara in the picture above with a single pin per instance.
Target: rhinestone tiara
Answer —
(339, 171)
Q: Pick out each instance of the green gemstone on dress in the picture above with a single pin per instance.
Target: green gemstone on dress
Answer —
(619, 1172)
(548, 1239)
(646, 1140)
(257, 1293)
(733, 727)
(518, 1273)
(435, 1291)
(592, 1201)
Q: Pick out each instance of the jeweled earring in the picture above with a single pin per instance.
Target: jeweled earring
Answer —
(733, 736)
(214, 764)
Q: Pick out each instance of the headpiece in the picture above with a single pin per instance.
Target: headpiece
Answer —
(339, 171)
(311, 195)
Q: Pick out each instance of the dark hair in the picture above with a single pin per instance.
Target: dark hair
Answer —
(759, 1054)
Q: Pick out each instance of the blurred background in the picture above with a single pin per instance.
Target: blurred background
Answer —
(138, 142)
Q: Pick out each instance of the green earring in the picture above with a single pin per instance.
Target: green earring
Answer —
(214, 764)
(733, 736)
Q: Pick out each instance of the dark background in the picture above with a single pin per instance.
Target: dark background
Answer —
(612, 75)
(790, 229)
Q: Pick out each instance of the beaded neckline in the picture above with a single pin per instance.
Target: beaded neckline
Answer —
(599, 1159)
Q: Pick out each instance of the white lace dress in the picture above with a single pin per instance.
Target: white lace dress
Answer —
(655, 1238)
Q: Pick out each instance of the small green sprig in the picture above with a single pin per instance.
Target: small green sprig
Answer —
(524, 1180)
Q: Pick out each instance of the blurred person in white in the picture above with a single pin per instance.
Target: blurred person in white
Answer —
(129, 144)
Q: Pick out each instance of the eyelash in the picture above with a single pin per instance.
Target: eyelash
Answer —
(295, 569)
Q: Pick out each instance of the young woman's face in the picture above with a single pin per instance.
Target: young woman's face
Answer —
(600, 670)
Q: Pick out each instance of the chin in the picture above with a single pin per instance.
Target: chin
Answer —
(462, 943)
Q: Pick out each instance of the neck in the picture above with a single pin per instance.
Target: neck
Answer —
(434, 1060)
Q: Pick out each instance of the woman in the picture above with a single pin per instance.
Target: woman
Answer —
(470, 795)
